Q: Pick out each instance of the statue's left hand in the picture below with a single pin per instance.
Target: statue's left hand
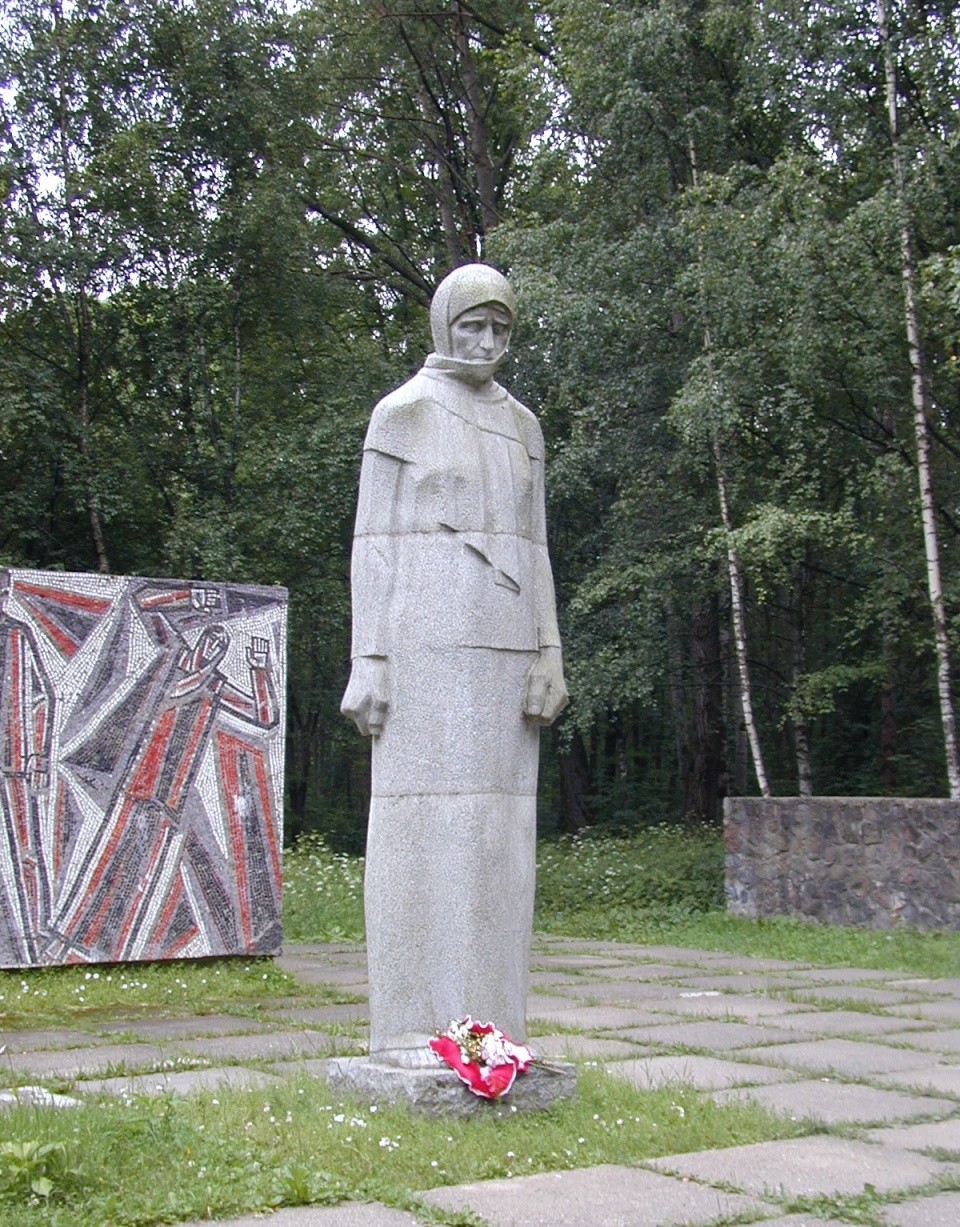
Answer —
(546, 694)
(367, 697)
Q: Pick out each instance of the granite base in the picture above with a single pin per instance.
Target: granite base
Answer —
(439, 1092)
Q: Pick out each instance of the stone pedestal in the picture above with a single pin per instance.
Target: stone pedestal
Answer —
(439, 1092)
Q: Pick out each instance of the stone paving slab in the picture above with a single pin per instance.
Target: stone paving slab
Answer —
(739, 982)
(355, 1214)
(576, 962)
(657, 972)
(854, 992)
(185, 1082)
(268, 1046)
(932, 1135)
(851, 1058)
(701, 1073)
(710, 958)
(713, 1035)
(623, 992)
(606, 1196)
(582, 1046)
(935, 1011)
(846, 975)
(940, 1079)
(806, 1167)
(548, 980)
(352, 955)
(539, 1005)
(309, 973)
(801, 1221)
(160, 1029)
(948, 986)
(941, 1210)
(83, 1062)
(322, 1015)
(733, 1006)
(835, 1103)
(311, 1067)
(47, 1039)
(337, 972)
(947, 1041)
(586, 1017)
(844, 1022)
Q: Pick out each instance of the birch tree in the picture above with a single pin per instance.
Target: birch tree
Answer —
(734, 576)
(921, 408)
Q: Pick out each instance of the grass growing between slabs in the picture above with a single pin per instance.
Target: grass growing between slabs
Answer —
(166, 1160)
(661, 886)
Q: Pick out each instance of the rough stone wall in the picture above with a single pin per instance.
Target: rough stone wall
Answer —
(875, 862)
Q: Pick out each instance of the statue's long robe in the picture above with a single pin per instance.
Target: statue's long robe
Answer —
(452, 588)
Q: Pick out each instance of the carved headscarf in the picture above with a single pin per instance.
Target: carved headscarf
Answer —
(471, 285)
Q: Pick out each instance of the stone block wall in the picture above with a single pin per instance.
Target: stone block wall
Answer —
(874, 862)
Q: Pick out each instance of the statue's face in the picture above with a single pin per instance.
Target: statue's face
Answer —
(481, 334)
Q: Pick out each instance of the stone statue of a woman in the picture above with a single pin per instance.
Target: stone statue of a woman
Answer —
(456, 664)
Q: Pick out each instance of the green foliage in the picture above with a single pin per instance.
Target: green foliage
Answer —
(221, 228)
(322, 892)
(661, 867)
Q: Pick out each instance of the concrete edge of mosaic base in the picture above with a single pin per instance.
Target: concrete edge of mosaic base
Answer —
(439, 1092)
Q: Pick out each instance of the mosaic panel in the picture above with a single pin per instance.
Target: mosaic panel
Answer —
(141, 768)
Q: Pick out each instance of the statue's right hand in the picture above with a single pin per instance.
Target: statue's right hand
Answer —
(365, 700)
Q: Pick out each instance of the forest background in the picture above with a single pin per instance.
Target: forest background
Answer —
(222, 226)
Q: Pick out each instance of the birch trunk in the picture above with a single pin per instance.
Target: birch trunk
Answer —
(733, 561)
(919, 397)
(801, 723)
(740, 631)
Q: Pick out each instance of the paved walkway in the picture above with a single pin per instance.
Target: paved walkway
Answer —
(872, 1057)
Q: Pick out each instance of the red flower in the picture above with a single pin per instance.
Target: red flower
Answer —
(482, 1057)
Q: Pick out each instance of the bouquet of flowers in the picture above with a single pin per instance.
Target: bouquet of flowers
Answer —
(482, 1057)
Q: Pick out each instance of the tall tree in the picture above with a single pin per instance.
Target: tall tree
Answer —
(921, 408)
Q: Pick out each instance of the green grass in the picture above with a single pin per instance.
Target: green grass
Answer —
(75, 996)
(906, 951)
(165, 1160)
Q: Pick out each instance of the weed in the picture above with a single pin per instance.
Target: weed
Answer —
(33, 1171)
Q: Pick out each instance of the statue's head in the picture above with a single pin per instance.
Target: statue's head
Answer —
(471, 316)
